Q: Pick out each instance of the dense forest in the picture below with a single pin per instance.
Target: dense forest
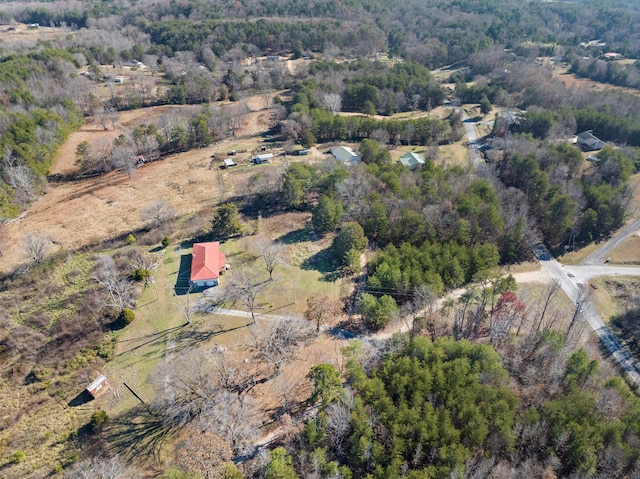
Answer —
(487, 386)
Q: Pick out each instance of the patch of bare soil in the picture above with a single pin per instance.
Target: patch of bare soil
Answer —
(78, 213)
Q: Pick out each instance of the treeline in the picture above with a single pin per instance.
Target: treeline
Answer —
(36, 116)
(175, 131)
(311, 110)
(266, 35)
(433, 34)
(433, 409)
(612, 72)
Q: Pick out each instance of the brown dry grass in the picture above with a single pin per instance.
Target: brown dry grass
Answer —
(79, 213)
(628, 252)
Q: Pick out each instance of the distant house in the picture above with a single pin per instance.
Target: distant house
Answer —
(345, 155)
(588, 142)
(411, 160)
(612, 56)
(98, 387)
(207, 264)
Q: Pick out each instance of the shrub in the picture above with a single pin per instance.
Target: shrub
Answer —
(98, 418)
(166, 241)
(131, 239)
(18, 457)
(140, 274)
(126, 317)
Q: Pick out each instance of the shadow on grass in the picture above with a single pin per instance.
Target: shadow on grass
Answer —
(149, 339)
(296, 236)
(184, 275)
(323, 262)
(83, 398)
(138, 434)
(191, 338)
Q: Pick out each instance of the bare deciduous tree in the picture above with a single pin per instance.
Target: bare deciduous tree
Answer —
(272, 253)
(36, 246)
(275, 343)
(245, 286)
(117, 285)
(235, 418)
(123, 159)
(320, 308)
(101, 468)
(23, 181)
(189, 388)
(158, 212)
(333, 101)
(550, 293)
(339, 423)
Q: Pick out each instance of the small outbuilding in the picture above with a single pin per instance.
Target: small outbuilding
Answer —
(303, 152)
(207, 264)
(411, 160)
(228, 163)
(98, 387)
(258, 160)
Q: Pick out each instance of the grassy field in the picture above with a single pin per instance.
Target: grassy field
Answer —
(628, 252)
(159, 329)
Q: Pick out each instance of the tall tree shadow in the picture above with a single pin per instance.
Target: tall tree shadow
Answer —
(191, 338)
(297, 236)
(138, 434)
(627, 327)
(324, 263)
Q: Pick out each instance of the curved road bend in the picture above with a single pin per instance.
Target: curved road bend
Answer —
(574, 278)
(599, 256)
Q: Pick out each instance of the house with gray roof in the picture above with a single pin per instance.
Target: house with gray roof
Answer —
(588, 142)
(345, 155)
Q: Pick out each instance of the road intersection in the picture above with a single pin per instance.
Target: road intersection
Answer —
(573, 279)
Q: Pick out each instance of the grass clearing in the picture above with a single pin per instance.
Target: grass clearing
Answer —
(578, 256)
(602, 292)
(159, 329)
(628, 252)
(453, 155)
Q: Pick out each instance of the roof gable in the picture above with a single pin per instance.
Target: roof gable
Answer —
(207, 261)
(344, 153)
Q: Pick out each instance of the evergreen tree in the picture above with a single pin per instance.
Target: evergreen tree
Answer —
(226, 221)
(326, 215)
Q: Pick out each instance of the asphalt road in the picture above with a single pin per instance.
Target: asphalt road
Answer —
(573, 279)
(603, 252)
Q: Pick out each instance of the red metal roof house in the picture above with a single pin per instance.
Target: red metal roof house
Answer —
(207, 263)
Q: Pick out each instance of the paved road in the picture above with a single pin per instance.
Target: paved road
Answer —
(573, 279)
(603, 252)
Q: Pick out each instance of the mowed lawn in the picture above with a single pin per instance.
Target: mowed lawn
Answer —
(160, 330)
